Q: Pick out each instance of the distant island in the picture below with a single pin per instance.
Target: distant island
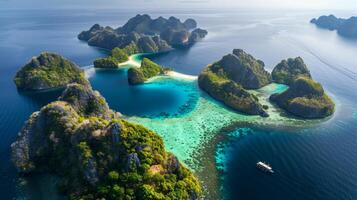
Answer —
(344, 27)
(145, 35)
(48, 71)
(148, 69)
(97, 154)
(229, 80)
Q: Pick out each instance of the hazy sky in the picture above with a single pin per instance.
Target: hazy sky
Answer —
(268, 4)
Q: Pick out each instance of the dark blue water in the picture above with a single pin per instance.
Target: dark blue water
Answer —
(317, 163)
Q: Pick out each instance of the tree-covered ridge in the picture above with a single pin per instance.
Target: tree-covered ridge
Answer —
(344, 27)
(48, 70)
(229, 92)
(305, 98)
(108, 62)
(97, 154)
(148, 35)
(117, 56)
(227, 79)
(243, 69)
(148, 69)
(287, 71)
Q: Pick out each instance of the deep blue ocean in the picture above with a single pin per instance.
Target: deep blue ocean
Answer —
(318, 162)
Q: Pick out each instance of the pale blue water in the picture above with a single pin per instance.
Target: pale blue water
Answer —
(314, 163)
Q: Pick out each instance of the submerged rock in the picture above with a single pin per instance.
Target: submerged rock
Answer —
(305, 98)
(47, 71)
(287, 71)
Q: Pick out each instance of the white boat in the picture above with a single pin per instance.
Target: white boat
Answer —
(265, 167)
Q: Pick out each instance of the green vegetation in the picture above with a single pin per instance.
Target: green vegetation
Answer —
(287, 71)
(147, 70)
(136, 76)
(131, 49)
(243, 69)
(108, 62)
(116, 57)
(230, 92)
(46, 71)
(119, 55)
(144, 34)
(227, 79)
(99, 155)
(305, 98)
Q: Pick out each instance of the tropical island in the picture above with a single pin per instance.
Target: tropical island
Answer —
(48, 71)
(287, 71)
(148, 69)
(97, 154)
(116, 57)
(228, 79)
(305, 98)
(344, 27)
(146, 35)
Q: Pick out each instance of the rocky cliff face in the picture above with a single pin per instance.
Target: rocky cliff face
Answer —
(148, 69)
(287, 71)
(197, 35)
(243, 69)
(136, 76)
(46, 71)
(151, 35)
(92, 148)
(214, 80)
(305, 98)
(190, 23)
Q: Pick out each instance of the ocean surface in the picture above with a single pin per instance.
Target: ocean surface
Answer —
(312, 160)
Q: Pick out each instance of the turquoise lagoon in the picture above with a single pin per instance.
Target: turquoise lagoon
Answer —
(313, 159)
(185, 117)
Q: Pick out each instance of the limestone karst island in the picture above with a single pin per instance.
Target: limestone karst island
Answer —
(178, 100)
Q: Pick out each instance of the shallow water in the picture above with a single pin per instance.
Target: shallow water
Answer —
(314, 160)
